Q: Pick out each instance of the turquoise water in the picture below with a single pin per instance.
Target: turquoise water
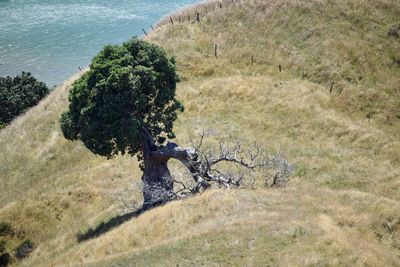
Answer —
(53, 38)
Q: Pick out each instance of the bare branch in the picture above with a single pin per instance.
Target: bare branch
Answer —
(198, 145)
(206, 168)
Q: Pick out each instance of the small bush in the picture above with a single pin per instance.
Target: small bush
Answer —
(24, 249)
(18, 94)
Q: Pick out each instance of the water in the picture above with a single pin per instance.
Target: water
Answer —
(53, 38)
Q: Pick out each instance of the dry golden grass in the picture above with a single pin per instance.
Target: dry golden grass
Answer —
(339, 42)
(343, 204)
(296, 226)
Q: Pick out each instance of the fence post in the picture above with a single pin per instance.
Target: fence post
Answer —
(280, 68)
(216, 50)
(144, 31)
(172, 22)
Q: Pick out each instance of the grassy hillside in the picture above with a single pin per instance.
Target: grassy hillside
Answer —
(342, 206)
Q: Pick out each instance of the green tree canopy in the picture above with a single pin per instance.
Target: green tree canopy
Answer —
(128, 89)
(19, 94)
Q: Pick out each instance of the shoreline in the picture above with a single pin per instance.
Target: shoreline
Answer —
(75, 36)
(77, 75)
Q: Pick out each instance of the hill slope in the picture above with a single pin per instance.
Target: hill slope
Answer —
(342, 206)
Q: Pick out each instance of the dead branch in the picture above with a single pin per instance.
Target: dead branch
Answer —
(205, 167)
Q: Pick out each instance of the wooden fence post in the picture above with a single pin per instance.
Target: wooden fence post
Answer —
(144, 31)
(216, 50)
(172, 22)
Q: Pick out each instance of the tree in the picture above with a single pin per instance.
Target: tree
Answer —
(18, 94)
(126, 103)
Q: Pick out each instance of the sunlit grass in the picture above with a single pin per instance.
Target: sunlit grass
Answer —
(342, 205)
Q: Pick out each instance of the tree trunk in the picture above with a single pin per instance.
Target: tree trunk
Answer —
(158, 184)
(157, 180)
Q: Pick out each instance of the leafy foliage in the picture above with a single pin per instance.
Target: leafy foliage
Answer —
(19, 94)
(128, 88)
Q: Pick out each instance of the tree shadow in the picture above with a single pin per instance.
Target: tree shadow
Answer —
(104, 227)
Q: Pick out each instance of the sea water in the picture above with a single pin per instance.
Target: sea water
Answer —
(52, 39)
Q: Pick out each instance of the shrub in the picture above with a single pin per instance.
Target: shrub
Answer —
(18, 94)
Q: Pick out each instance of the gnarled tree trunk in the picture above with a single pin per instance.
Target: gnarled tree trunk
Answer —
(158, 184)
